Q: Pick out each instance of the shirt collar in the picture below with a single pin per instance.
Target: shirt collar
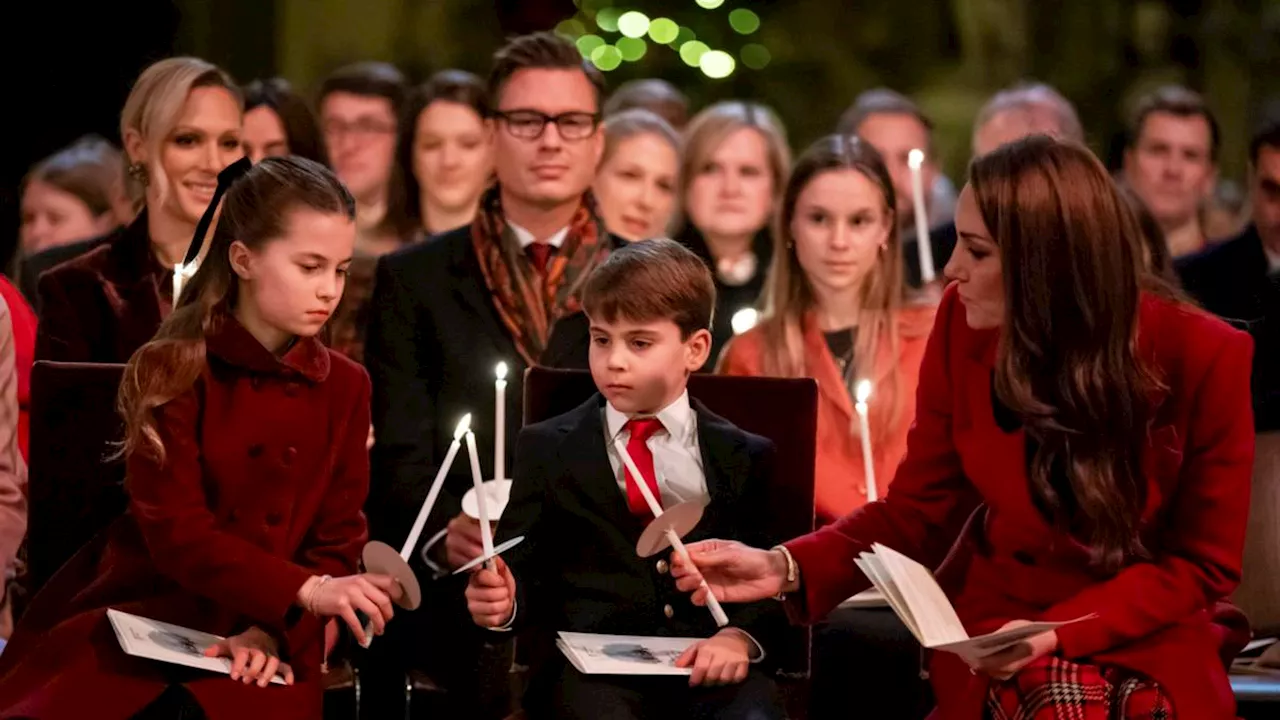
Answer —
(526, 238)
(676, 418)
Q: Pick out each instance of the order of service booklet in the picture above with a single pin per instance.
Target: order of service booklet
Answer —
(915, 596)
(594, 654)
(155, 640)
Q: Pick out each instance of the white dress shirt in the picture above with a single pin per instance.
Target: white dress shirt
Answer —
(677, 460)
(526, 238)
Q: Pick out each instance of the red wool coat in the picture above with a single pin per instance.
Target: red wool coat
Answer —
(1153, 617)
(265, 477)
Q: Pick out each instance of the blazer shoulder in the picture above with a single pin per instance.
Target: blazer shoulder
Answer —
(346, 371)
(430, 252)
(558, 425)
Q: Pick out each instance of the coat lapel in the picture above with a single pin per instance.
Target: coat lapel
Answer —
(474, 297)
(584, 454)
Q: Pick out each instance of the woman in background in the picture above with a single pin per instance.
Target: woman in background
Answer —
(277, 121)
(733, 164)
(181, 126)
(635, 187)
(835, 311)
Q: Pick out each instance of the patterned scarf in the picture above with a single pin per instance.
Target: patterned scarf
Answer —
(529, 302)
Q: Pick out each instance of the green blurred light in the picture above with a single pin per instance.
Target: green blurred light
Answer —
(709, 4)
(663, 31)
(684, 35)
(633, 24)
(606, 57)
(587, 44)
(607, 19)
(744, 21)
(691, 52)
(632, 49)
(716, 64)
(756, 56)
(571, 28)
(593, 5)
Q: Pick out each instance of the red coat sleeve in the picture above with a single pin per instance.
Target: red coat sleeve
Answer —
(927, 503)
(168, 503)
(1199, 556)
(62, 333)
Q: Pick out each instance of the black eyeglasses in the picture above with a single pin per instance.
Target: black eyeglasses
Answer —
(530, 124)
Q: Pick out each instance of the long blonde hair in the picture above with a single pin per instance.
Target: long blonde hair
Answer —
(154, 105)
(788, 296)
(711, 127)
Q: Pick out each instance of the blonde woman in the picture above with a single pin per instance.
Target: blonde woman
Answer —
(636, 184)
(834, 310)
(734, 161)
(181, 126)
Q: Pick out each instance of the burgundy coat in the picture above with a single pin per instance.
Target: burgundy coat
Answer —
(103, 305)
(263, 484)
(1153, 617)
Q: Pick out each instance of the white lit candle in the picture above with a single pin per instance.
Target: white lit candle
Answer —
(486, 532)
(915, 159)
(500, 422)
(463, 426)
(868, 463)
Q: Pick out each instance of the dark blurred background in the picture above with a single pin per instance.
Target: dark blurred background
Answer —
(74, 62)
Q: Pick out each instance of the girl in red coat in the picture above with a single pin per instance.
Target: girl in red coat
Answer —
(246, 472)
(1097, 435)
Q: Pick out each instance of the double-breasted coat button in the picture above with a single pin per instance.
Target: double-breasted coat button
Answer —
(290, 454)
(255, 383)
(255, 450)
(662, 566)
(275, 517)
(292, 389)
(668, 611)
(1024, 557)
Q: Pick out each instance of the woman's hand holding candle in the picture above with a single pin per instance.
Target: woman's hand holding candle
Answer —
(732, 571)
(344, 596)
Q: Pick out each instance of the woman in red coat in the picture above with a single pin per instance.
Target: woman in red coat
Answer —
(1099, 436)
(246, 473)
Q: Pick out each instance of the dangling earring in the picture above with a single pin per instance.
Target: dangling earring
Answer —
(138, 172)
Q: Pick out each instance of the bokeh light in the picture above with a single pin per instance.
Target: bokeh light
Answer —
(744, 21)
(572, 28)
(691, 52)
(709, 4)
(633, 24)
(587, 44)
(684, 35)
(756, 56)
(632, 49)
(607, 19)
(606, 57)
(664, 31)
(716, 64)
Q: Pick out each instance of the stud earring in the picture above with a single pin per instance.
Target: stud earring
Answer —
(138, 172)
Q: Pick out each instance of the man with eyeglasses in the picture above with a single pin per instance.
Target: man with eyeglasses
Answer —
(359, 106)
(445, 312)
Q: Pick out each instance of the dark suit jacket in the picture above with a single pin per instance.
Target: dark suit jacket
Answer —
(105, 304)
(1230, 280)
(31, 268)
(434, 338)
(943, 241)
(577, 568)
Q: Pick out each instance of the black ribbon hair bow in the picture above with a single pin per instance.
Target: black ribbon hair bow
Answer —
(226, 179)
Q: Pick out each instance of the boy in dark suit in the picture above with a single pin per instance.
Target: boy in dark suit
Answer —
(581, 514)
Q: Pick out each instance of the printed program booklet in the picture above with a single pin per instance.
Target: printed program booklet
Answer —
(155, 640)
(595, 654)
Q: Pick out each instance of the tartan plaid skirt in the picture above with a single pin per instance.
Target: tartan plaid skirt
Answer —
(1055, 689)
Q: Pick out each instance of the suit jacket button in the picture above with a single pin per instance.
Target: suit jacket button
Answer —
(668, 611)
(662, 567)
(290, 454)
(255, 450)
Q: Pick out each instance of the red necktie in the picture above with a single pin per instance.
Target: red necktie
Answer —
(540, 255)
(638, 448)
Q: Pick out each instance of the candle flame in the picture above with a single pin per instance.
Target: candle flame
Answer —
(863, 391)
(500, 371)
(464, 427)
(915, 158)
(744, 320)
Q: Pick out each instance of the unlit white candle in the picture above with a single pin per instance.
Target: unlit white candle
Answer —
(486, 532)
(868, 463)
(500, 422)
(915, 159)
(434, 492)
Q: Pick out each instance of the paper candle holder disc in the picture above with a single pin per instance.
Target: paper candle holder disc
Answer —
(382, 559)
(682, 518)
(496, 495)
(496, 552)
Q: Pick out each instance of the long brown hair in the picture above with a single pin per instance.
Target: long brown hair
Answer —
(255, 211)
(788, 295)
(1068, 363)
